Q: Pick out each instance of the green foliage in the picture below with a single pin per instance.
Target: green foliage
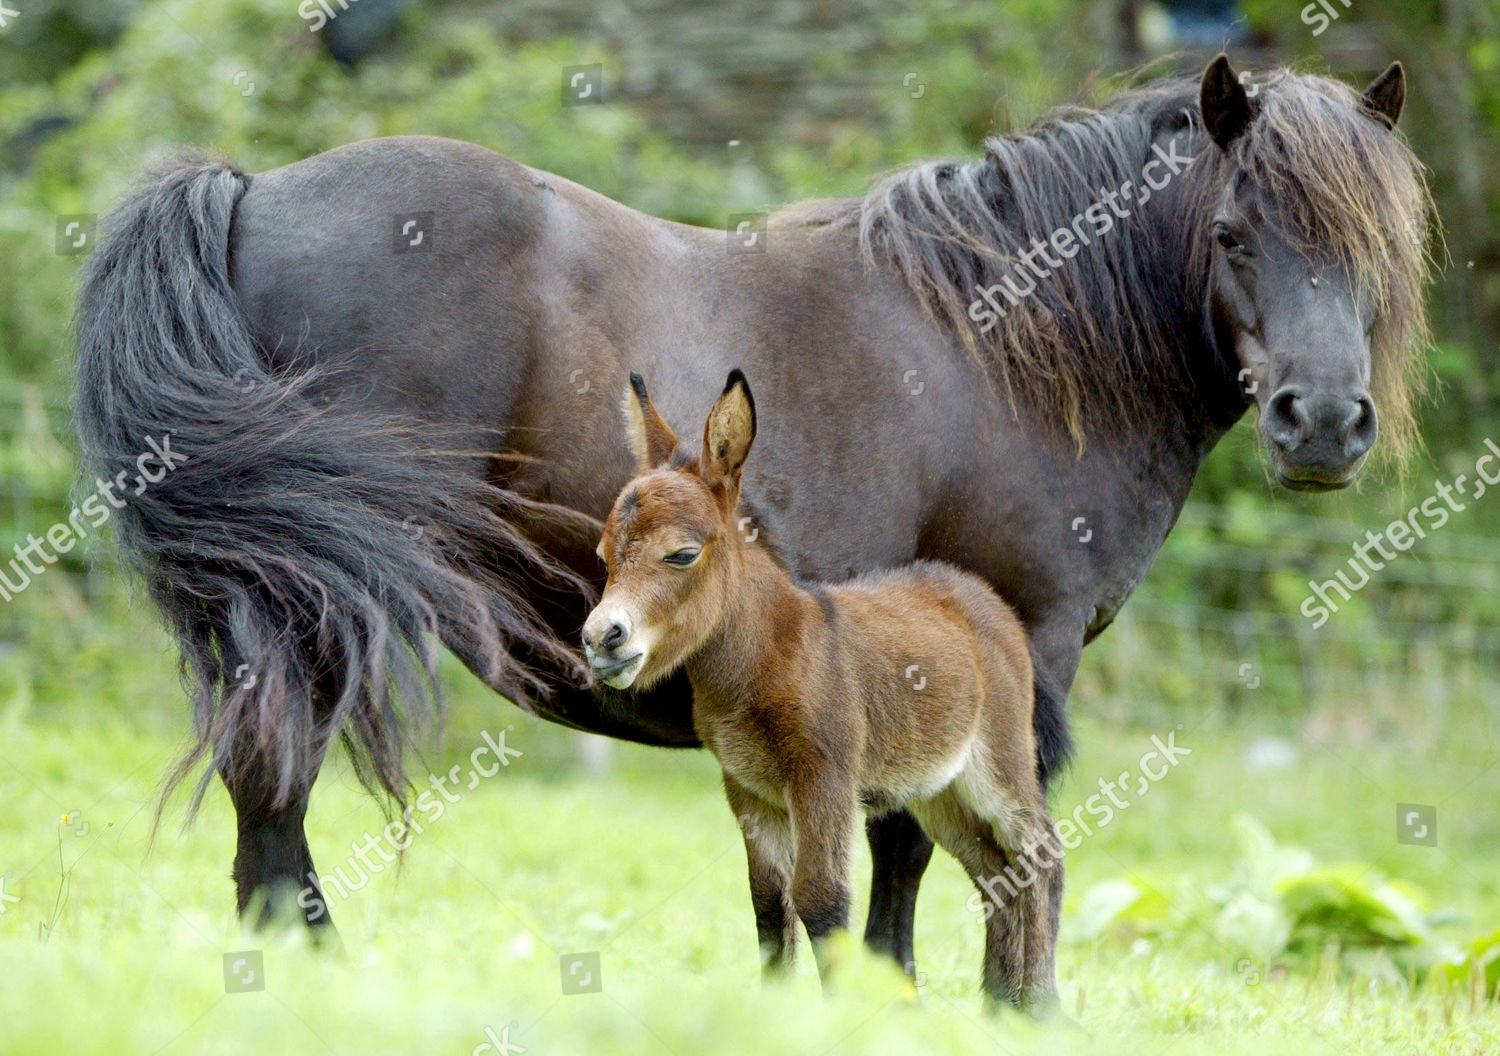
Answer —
(48, 36)
(1280, 905)
(1126, 904)
(1479, 966)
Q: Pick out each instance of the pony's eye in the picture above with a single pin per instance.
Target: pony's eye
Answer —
(682, 558)
(1224, 237)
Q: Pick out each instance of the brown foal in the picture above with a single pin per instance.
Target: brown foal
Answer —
(909, 688)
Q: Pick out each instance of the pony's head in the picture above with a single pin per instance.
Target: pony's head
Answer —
(668, 541)
(1296, 235)
(1317, 249)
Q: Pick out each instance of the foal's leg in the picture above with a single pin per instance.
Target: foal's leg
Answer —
(273, 867)
(1015, 888)
(1044, 963)
(1022, 934)
(899, 852)
(1045, 850)
(823, 824)
(768, 847)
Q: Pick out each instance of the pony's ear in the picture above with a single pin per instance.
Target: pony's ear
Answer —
(1386, 95)
(1224, 102)
(729, 432)
(651, 438)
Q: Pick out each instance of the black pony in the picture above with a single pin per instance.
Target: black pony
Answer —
(396, 441)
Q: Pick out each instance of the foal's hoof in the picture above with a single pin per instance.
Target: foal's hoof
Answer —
(1048, 1011)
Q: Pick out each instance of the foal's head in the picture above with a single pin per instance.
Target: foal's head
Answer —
(669, 541)
(1317, 243)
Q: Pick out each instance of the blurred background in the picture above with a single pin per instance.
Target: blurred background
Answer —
(708, 109)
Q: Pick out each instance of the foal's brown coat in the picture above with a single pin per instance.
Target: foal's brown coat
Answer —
(909, 688)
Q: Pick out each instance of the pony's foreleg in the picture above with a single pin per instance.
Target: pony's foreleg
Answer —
(899, 851)
(274, 877)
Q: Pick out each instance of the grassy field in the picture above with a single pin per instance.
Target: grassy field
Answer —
(108, 944)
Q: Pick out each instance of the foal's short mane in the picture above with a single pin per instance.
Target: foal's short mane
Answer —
(1119, 319)
(768, 535)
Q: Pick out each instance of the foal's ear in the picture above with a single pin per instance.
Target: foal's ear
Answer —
(1386, 95)
(1224, 102)
(730, 432)
(651, 438)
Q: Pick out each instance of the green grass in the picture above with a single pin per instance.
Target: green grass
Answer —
(118, 947)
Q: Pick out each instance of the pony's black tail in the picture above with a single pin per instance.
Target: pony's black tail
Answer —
(308, 560)
(1049, 721)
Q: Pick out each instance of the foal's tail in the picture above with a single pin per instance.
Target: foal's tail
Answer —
(307, 560)
(1049, 721)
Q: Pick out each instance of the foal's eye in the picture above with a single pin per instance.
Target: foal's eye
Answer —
(682, 558)
(1224, 237)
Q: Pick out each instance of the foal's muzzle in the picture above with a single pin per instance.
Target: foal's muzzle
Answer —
(1318, 440)
(608, 648)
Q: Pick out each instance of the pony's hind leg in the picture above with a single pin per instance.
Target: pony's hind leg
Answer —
(768, 848)
(274, 877)
(899, 853)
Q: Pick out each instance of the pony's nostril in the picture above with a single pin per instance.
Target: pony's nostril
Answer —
(612, 636)
(1287, 420)
(1363, 425)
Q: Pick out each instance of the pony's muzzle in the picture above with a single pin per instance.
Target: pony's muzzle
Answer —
(1318, 439)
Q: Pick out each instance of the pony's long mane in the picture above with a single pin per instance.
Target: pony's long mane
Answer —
(1120, 319)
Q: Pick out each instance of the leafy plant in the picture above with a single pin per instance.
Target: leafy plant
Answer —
(1279, 902)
